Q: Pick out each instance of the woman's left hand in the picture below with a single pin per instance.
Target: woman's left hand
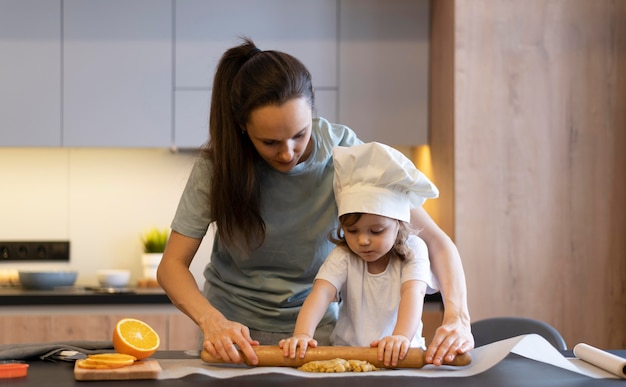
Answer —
(453, 337)
(391, 349)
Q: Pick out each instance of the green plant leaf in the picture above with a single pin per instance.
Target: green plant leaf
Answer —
(154, 240)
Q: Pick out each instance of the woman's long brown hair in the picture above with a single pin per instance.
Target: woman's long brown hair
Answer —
(246, 79)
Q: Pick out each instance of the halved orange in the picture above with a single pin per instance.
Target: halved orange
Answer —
(135, 337)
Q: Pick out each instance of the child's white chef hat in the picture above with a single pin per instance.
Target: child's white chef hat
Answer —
(377, 179)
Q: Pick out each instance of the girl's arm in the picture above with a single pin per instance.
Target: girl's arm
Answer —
(395, 347)
(311, 313)
(220, 334)
(454, 336)
(410, 310)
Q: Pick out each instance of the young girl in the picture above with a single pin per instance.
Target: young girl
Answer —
(379, 271)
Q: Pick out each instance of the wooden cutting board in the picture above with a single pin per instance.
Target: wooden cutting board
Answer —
(146, 369)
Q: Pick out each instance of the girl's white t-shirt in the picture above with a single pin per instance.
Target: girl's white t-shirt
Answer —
(369, 302)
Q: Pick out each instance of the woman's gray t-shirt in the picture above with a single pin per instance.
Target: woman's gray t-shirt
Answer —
(264, 289)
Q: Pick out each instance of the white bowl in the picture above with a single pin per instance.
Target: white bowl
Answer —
(113, 278)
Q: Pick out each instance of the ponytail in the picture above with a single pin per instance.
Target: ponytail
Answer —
(246, 79)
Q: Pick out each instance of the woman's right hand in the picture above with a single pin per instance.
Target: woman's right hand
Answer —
(291, 345)
(222, 337)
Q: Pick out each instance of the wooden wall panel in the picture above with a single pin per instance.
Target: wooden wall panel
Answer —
(539, 159)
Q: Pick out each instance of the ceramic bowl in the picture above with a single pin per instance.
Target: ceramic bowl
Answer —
(113, 278)
(47, 279)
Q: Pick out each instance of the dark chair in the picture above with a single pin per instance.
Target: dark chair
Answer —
(499, 328)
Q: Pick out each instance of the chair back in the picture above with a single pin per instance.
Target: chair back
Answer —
(499, 328)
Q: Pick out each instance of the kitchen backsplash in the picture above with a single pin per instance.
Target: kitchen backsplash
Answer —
(101, 200)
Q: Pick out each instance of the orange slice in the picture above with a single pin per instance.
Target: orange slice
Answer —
(136, 338)
(119, 357)
(103, 364)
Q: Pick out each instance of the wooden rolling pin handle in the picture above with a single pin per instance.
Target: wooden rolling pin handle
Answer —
(272, 356)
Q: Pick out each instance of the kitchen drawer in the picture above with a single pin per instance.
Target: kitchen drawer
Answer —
(47, 324)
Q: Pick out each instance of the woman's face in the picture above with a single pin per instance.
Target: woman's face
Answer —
(281, 133)
(372, 236)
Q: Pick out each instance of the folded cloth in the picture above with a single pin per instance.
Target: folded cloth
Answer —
(26, 351)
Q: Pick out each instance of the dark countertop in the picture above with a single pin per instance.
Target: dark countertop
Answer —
(16, 296)
(513, 371)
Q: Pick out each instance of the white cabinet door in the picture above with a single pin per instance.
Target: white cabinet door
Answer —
(191, 118)
(192, 115)
(117, 73)
(383, 69)
(206, 28)
(30, 73)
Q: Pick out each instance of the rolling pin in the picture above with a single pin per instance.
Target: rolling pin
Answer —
(272, 356)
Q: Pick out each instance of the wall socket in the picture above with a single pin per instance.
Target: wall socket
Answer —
(34, 251)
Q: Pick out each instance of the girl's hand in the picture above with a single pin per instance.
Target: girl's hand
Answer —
(391, 349)
(291, 345)
(221, 339)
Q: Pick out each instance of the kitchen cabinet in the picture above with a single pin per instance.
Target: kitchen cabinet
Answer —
(432, 316)
(30, 73)
(138, 73)
(205, 29)
(117, 73)
(368, 58)
(31, 324)
(383, 69)
(48, 324)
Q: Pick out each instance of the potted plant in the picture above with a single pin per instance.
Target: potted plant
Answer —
(154, 241)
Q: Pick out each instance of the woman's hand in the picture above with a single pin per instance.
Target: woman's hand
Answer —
(220, 334)
(291, 345)
(222, 337)
(391, 349)
(453, 337)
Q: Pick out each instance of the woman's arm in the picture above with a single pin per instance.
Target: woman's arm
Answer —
(454, 335)
(220, 334)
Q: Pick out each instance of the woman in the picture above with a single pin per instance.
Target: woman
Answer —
(265, 177)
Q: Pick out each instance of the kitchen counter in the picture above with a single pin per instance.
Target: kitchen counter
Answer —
(513, 371)
(16, 296)
(87, 314)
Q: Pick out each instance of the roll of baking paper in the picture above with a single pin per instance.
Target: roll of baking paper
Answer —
(602, 359)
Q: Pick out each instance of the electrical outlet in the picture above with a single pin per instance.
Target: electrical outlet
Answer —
(34, 251)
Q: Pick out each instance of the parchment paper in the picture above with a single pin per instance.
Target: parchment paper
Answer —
(607, 361)
(531, 346)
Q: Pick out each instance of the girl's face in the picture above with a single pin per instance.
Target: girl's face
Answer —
(281, 134)
(372, 236)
